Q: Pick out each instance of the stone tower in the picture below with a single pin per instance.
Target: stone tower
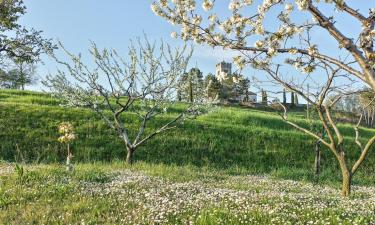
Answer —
(223, 70)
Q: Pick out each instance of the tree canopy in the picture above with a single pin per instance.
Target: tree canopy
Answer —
(17, 42)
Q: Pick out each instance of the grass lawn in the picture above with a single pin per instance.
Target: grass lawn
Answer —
(160, 194)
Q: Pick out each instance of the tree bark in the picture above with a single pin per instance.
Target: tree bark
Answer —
(129, 156)
(69, 166)
(346, 183)
(317, 159)
(346, 176)
(191, 98)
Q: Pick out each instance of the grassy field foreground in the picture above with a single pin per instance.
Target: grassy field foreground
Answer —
(159, 194)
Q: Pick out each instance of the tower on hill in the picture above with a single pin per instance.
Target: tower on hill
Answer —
(223, 70)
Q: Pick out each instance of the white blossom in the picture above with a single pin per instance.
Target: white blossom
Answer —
(207, 5)
(174, 35)
(302, 4)
(259, 44)
(234, 5)
(289, 7)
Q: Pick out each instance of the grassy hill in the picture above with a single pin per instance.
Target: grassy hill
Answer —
(230, 139)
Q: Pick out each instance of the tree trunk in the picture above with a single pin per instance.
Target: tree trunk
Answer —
(346, 176)
(129, 156)
(191, 98)
(346, 183)
(69, 166)
(292, 102)
(318, 157)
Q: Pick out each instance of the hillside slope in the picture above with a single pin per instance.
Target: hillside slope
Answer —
(236, 140)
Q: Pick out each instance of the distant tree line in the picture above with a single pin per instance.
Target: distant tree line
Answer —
(20, 75)
(194, 85)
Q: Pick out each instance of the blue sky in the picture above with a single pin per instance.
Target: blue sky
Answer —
(112, 23)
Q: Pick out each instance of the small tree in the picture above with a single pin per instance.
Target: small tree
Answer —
(68, 135)
(191, 86)
(292, 100)
(227, 87)
(264, 97)
(323, 102)
(144, 86)
(212, 87)
(243, 87)
(22, 74)
(6, 80)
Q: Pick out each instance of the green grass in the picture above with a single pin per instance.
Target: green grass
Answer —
(232, 140)
(103, 193)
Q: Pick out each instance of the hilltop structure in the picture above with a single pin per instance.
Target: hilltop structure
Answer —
(224, 75)
(223, 70)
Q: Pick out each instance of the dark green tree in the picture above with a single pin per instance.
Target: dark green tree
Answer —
(191, 86)
(17, 78)
(264, 97)
(5, 80)
(295, 99)
(243, 87)
(212, 87)
(292, 101)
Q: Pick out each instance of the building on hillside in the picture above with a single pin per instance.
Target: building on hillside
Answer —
(251, 96)
(248, 97)
(223, 73)
(223, 70)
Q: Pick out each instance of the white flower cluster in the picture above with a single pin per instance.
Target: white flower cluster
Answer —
(66, 130)
(207, 5)
(239, 61)
(302, 4)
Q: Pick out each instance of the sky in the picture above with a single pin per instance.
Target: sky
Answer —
(113, 23)
(110, 24)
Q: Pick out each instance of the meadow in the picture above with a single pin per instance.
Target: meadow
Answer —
(148, 194)
(233, 165)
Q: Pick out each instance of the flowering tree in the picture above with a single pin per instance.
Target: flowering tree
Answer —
(283, 32)
(323, 102)
(144, 86)
(66, 130)
(241, 27)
